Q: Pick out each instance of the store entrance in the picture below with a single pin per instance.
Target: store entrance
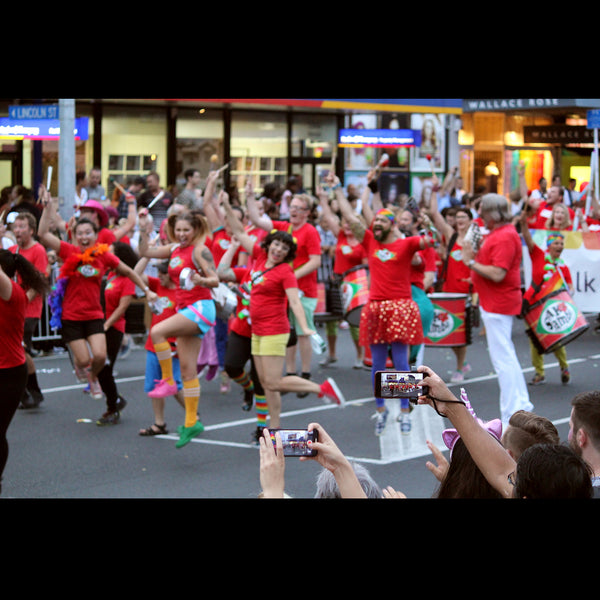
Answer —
(310, 169)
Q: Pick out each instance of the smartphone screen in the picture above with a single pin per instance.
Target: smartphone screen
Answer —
(399, 384)
(296, 441)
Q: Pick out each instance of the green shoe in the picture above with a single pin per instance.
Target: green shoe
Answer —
(187, 433)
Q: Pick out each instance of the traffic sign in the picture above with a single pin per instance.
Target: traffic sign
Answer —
(593, 119)
(33, 111)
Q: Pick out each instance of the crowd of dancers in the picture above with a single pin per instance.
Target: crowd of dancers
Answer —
(242, 278)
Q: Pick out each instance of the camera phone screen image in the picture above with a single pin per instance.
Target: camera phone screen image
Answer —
(400, 384)
(295, 441)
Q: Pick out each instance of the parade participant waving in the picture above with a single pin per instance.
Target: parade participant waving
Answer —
(391, 317)
(543, 267)
(272, 286)
(76, 298)
(13, 367)
(195, 310)
(306, 265)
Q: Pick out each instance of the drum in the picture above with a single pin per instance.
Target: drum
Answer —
(451, 325)
(554, 320)
(355, 293)
(225, 301)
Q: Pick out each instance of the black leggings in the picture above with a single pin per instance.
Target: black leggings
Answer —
(114, 337)
(237, 354)
(12, 383)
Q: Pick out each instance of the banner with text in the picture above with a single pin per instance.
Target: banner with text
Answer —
(582, 255)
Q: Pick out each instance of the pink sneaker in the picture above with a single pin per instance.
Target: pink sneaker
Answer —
(163, 389)
(331, 392)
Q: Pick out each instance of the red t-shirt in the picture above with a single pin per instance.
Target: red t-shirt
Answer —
(389, 266)
(268, 300)
(37, 256)
(241, 323)
(180, 259)
(347, 256)
(308, 242)
(117, 287)
(12, 326)
(457, 272)
(257, 234)
(501, 248)
(82, 296)
(428, 263)
(221, 241)
(167, 299)
(544, 212)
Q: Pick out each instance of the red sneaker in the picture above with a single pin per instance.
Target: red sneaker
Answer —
(331, 392)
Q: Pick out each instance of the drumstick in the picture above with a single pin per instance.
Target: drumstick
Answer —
(156, 199)
(49, 177)
(383, 162)
(118, 186)
(429, 157)
(223, 168)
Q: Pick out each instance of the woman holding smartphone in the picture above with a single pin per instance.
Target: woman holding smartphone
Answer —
(13, 366)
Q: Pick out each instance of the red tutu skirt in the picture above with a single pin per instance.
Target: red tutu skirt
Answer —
(387, 321)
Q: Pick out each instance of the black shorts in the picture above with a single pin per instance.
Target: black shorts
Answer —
(80, 330)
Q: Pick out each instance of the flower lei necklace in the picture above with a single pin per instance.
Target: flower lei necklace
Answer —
(69, 269)
(551, 264)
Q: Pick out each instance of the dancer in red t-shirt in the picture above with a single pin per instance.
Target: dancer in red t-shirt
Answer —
(391, 317)
(349, 253)
(24, 228)
(13, 367)
(273, 285)
(195, 311)
(306, 265)
(75, 300)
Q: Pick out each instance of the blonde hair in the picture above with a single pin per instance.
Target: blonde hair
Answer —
(195, 218)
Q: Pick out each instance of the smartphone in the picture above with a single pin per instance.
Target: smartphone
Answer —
(295, 441)
(400, 384)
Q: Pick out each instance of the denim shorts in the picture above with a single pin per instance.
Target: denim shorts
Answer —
(203, 313)
(154, 373)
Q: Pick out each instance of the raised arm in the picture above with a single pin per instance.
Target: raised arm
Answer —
(358, 229)
(494, 462)
(47, 220)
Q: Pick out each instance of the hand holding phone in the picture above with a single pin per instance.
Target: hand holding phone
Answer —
(296, 442)
(400, 384)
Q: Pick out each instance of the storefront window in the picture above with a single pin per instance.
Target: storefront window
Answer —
(258, 149)
(199, 143)
(134, 142)
(314, 135)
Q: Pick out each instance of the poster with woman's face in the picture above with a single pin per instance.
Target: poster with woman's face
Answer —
(433, 142)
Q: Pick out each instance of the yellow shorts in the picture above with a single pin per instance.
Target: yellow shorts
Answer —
(269, 345)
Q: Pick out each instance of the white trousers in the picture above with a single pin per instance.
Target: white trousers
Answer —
(514, 395)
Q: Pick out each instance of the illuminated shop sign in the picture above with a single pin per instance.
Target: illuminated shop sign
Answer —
(40, 129)
(359, 138)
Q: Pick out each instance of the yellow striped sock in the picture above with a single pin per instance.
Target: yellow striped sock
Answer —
(191, 398)
(163, 354)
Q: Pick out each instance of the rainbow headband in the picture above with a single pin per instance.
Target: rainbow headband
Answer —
(554, 236)
(386, 212)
